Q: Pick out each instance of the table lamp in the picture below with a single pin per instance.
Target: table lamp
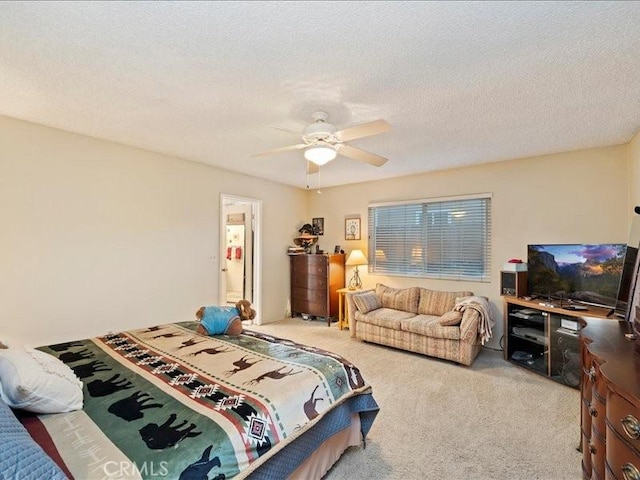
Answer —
(356, 257)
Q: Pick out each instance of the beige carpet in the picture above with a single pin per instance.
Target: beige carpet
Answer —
(442, 421)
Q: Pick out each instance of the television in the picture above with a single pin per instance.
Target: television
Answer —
(627, 283)
(584, 273)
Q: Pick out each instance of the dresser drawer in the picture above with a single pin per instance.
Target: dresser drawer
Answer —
(598, 413)
(588, 374)
(622, 459)
(624, 418)
(585, 417)
(301, 279)
(308, 295)
(598, 453)
(586, 387)
(319, 309)
(596, 476)
(310, 264)
(586, 459)
(599, 385)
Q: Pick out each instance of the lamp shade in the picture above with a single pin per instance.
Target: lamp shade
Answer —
(356, 257)
(320, 154)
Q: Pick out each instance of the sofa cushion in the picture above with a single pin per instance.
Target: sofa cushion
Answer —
(450, 318)
(429, 326)
(405, 299)
(433, 302)
(367, 301)
(384, 317)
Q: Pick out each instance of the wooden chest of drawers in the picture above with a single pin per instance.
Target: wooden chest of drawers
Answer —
(610, 402)
(315, 280)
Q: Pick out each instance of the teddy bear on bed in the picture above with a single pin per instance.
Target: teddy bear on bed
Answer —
(224, 320)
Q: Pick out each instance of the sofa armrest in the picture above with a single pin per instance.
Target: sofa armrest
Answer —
(352, 308)
(469, 326)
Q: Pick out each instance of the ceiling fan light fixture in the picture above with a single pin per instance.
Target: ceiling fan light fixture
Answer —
(320, 154)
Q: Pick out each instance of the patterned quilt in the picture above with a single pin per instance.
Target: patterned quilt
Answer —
(166, 402)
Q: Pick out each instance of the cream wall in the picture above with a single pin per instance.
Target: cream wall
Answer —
(99, 237)
(575, 197)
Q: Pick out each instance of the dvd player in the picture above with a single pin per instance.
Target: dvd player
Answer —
(531, 334)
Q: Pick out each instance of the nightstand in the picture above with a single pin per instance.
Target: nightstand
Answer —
(343, 317)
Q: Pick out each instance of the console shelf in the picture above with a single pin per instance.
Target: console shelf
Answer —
(544, 338)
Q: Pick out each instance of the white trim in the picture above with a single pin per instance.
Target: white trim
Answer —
(256, 212)
(453, 198)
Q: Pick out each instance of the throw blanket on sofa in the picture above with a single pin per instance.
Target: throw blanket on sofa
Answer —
(480, 305)
(178, 404)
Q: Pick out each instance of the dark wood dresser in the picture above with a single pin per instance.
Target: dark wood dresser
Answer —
(315, 279)
(610, 402)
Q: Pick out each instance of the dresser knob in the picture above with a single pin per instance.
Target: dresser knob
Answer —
(630, 472)
(592, 373)
(592, 448)
(592, 411)
(631, 427)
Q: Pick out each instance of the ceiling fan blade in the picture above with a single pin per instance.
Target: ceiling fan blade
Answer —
(278, 150)
(358, 154)
(312, 168)
(286, 130)
(364, 130)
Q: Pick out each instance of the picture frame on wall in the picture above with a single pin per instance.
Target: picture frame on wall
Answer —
(318, 224)
(352, 229)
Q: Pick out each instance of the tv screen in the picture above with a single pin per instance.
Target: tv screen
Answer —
(580, 272)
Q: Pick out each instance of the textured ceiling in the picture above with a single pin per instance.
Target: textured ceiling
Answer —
(459, 82)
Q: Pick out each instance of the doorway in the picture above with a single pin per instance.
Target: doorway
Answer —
(240, 251)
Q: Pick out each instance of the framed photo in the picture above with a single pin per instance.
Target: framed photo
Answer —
(336, 249)
(318, 224)
(352, 229)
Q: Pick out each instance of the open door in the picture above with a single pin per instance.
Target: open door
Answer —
(239, 256)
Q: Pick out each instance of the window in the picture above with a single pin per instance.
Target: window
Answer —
(440, 238)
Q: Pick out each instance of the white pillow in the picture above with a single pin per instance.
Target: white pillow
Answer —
(38, 382)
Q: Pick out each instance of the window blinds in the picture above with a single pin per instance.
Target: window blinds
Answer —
(439, 238)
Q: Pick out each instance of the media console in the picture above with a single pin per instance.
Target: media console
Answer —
(544, 338)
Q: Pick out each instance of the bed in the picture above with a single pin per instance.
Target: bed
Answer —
(168, 402)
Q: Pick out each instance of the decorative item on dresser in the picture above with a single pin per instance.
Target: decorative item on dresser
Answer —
(308, 237)
(315, 280)
(610, 401)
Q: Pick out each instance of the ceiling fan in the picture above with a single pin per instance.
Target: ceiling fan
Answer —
(322, 142)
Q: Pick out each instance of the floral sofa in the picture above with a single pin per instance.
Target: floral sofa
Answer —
(447, 325)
